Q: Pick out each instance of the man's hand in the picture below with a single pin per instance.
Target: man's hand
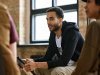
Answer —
(30, 65)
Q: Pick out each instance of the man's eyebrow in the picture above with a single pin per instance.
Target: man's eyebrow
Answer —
(50, 18)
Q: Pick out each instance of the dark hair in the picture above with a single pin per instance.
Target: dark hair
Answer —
(96, 1)
(58, 10)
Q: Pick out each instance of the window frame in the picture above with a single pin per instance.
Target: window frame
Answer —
(70, 8)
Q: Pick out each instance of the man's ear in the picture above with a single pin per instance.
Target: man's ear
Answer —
(60, 20)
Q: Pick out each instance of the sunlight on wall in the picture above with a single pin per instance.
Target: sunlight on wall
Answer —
(21, 22)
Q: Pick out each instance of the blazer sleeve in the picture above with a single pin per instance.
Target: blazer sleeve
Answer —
(88, 58)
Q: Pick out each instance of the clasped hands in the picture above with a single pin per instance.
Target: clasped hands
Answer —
(30, 65)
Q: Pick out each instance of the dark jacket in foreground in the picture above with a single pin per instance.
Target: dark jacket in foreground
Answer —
(71, 44)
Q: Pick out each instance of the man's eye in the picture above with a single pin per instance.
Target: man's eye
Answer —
(51, 18)
(88, 1)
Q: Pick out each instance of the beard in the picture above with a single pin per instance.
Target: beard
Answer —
(55, 27)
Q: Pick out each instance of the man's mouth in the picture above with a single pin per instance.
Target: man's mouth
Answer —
(50, 26)
(86, 11)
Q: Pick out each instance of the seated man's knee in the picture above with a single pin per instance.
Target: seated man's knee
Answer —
(58, 71)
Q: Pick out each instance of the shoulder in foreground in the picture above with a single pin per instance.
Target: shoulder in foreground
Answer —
(95, 24)
(3, 7)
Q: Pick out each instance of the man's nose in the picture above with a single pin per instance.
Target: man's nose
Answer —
(48, 22)
(85, 6)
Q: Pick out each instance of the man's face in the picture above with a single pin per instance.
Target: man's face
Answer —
(92, 9)
(54, 23)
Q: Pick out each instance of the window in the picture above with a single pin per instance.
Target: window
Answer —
(66, 2)
(38, 4)
(39, 29)
(67, 16)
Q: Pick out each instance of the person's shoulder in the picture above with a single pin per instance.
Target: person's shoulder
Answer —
(98, 22)
(3, 7)
(70, 26)
(69, 23)
(4, 18)
(95, 24)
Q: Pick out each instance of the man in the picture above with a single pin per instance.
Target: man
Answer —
(7, 62)
(65, 45)
(89, 61)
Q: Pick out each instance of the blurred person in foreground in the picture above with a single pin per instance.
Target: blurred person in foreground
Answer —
(89, 60)
(8, 65)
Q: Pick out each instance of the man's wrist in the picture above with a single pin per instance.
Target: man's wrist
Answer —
(41, 65)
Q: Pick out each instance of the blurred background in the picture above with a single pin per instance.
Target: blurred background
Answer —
(30, 19)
